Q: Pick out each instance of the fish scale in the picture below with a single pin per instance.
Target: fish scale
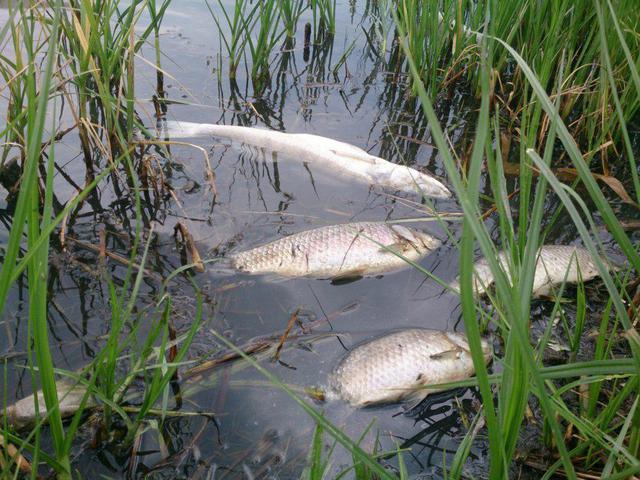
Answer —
(338, 250)
(391, 368)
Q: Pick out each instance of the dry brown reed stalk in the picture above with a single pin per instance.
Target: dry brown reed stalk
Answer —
(283, 338)
(189, 244)
(14, 454)
(114, 256)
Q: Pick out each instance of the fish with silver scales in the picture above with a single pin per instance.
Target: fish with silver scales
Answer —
(555, 264)
(342, 251)
(400, 366)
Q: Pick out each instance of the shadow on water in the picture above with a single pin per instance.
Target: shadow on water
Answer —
(231, 423)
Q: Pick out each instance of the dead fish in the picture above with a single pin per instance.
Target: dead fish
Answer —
(396, 367)
(555, 264)
(341, 157)
(339, 252)
(70, 394)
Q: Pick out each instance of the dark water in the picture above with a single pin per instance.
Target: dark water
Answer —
(257, 430)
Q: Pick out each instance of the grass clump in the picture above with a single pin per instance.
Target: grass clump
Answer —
(522, 372)
(557, 79)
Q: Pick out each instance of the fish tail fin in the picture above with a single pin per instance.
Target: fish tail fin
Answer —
(320, 394)
(178, 129)
(222, 266)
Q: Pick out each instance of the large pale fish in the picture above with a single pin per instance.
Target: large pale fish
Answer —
(338, 251)
(555, 264)
(70, 394)
(339, 156)
(399, 366)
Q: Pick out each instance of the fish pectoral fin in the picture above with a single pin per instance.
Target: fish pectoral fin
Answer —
(452, 354)
(404, 233)
(407, 238)
(347, 277)
(274, 278)
(398, 248)
(413, 399)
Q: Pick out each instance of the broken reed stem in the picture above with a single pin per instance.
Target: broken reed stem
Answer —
(189, 246)
(114, 256)
(283, 338)
(22, 463)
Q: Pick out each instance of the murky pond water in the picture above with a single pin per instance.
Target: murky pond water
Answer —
(256, 430)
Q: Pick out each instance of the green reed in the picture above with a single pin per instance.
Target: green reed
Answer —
(523, 375)
(563, 73)
(324, 16)
(93, 49)
(269, 33)
(234, 32)
(557, 39)
(33, 100)
(290, 11)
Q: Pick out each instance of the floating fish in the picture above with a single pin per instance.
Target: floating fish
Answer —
(341, 252)
(70, 394)
(555, 264)
(399, 366)
(339, 156)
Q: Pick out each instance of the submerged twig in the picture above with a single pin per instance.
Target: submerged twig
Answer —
(114, 256)
(283, 338)
(260, 344)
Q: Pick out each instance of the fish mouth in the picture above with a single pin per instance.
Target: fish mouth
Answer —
(429, 242)
(433, 188)
(408, 180)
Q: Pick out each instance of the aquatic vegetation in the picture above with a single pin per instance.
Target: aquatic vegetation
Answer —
(238, 35)
(522, 375)
(530, 109)
(290, 11)
(268, 36)
(324, 16)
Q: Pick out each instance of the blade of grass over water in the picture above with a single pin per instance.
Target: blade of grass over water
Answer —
(498, 460)
(38, 101)
(327, 426)
(505, 95)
